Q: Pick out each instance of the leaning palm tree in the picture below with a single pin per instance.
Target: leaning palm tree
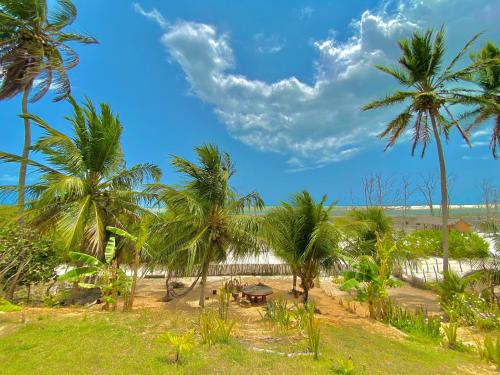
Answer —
(487, 103)
(426, 97)
(84, 185)
(34, 55)
(206, 217)
(303, 235)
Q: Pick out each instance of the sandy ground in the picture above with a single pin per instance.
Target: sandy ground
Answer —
(334, 305)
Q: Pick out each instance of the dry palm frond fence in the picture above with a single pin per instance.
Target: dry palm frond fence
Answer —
(245, 270)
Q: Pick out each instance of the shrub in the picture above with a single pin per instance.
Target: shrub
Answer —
(471, 310)
(345, 366)
(450, 331)
(312, 329)
(490, 350)
(427, 242)
(26, 258)
(277, 312)
(418, 323)
(213, 329)
(180, 343)
(6, 306)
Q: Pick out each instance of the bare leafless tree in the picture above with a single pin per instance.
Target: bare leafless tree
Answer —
(404, 193)
(427, 187)
(488, 196)
(377, 189)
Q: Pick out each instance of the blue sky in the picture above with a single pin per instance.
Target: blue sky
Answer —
(276, 84)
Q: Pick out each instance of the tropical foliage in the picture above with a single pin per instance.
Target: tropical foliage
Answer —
(371, 275)
(109, 277)
(205, 217)
(426, 98)
(427, 243)
(26, 258)
(34, 48)
(84, 185)
(487, 103)
(302, 233)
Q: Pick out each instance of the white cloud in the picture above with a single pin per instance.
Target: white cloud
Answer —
(480, 134)
(269, 44)
(154, 15)
(319, 123)
(467, 157)
(306, 12)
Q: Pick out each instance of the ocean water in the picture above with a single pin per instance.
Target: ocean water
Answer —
(455, 211)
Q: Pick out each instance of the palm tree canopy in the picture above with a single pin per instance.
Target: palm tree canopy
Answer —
(487, 103)
(302, 233)
(425, 93)
(84, 185)
(205, 217)
(33, 46)
(366, 226)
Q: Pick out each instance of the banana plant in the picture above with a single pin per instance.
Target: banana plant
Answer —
(108, 278)
(138, 244)
(371, 275)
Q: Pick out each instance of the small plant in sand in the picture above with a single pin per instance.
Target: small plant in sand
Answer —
(450, 330)
(180, 343)
(489, 350)
(311, 325)
(223, 299)
(345, 366)
(277, 312)
(213, 329)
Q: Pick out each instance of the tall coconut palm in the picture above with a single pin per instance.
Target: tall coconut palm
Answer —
(205, 217)
(488, 102)
(34, 55)
(302, 233)
(84, 185)
(426, 97)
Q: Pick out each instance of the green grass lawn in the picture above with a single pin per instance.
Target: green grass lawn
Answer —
(118, 343)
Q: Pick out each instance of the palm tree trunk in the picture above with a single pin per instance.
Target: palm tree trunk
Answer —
(444, 192)
(26, 151)
(130, 302)
(204, 273)
(294, 283)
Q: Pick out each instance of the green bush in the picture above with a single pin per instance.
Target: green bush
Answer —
(26, 257)
(471, 310)
(418, 323)
(213, 329)
(427, 243)
(6, 306)
(490, 350)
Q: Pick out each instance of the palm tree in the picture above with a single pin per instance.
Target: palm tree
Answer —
(488, 102)
(302, 233)
(84, 185)
(34, 54)
(426, 97)
(205, 215)
(367, 225)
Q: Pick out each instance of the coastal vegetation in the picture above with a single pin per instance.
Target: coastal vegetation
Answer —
(88, 228)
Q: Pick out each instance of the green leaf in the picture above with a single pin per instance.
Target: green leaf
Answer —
(86, 259)
(349, 284)
(86, 285)
(122, 233)
(109, 253)
(78, 273)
